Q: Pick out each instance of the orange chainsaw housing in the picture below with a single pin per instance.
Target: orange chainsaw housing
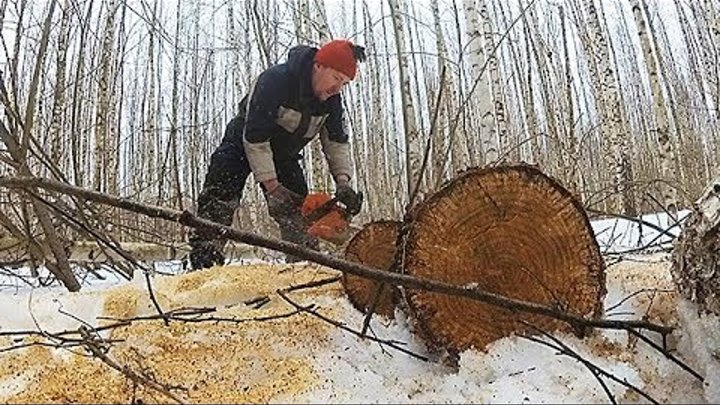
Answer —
(333, 226)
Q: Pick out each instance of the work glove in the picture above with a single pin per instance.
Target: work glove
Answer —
(352, 199)
(283, 202)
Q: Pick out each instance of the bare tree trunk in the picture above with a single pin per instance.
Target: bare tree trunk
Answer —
(573, 176)
(498, 130)
(320, 177)
(528, 94)
(413, 149)
(265, 53)
(149, 127)
(464, 137)
(175, 99)
(57, 144)
(611, 120)
(713, 21)
(447, 106)
(321, 22)
(701, 104)
(76, 132)
(104, 97)
(482, 97)
(3, 8)
(377, 178)
(659, 111)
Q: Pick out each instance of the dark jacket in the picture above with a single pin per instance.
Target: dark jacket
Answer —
(283, 115)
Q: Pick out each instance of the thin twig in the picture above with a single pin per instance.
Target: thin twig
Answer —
(313, 284)
(96, 347)
(638, 292)
(309, 309)
(566, 350)
(663, 231)
(667, 354)
(116, 249)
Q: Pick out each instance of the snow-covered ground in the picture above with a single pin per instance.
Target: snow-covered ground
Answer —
(302, 359)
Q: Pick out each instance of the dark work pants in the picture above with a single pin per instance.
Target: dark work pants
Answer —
(221, 195)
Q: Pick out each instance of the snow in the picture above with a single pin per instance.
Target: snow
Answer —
(303, 360)
(617, 235)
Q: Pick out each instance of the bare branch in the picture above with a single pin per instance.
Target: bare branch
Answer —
(470, 292)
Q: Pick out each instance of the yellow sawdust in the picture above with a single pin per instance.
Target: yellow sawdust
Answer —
(658, 307)
(22, 365)
(218, 362)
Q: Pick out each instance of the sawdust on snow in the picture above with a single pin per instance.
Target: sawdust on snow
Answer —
(238, 362)
(219, 362)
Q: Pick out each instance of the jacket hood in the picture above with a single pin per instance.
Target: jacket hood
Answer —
(300, 63)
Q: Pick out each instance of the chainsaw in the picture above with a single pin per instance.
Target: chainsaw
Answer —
(327, 218)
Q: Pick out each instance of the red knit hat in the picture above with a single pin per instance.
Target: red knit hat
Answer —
(338, 54)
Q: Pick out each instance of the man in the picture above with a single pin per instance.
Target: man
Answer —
(289, 105)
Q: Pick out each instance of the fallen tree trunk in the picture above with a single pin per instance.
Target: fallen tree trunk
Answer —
(510, 230)
(696, 253)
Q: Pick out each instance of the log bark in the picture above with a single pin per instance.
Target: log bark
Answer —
(696, 253)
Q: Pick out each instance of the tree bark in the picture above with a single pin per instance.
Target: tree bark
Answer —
(413, 149)
(662, 130)
(696, 253)
(482, 98)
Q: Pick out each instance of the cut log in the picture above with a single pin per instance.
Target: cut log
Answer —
(373, 246)
(696, 252)
(508, 230)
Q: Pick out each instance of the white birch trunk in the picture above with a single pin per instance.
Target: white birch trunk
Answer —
(463, 136)
(482, 96)
(574, 177)
(175, 106)
(447, 105)
(612, 120)
(499, 115)
(56, 135)
(660, 114)
(102, 124)
(318, 30)
(413, 149)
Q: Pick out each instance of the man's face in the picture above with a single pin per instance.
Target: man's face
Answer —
(327, 82)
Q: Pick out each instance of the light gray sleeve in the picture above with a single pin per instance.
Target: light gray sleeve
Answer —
(337, 154)
(260, 157)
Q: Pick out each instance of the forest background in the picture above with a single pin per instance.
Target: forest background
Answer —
(617, 99)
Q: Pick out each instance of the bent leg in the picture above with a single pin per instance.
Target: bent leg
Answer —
(292, 226)
(217, 202)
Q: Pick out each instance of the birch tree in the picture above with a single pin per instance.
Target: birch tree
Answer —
(481, 97)
(573, 176)
(56, 136)
(149, 144)
(713, 51)
(319, 176)
(175, 99)
(528, 92)
(103, 127)
(659, 111)
(413, 149)
(498, 130)
(703, 98)
(447, 105)
(611, 120)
